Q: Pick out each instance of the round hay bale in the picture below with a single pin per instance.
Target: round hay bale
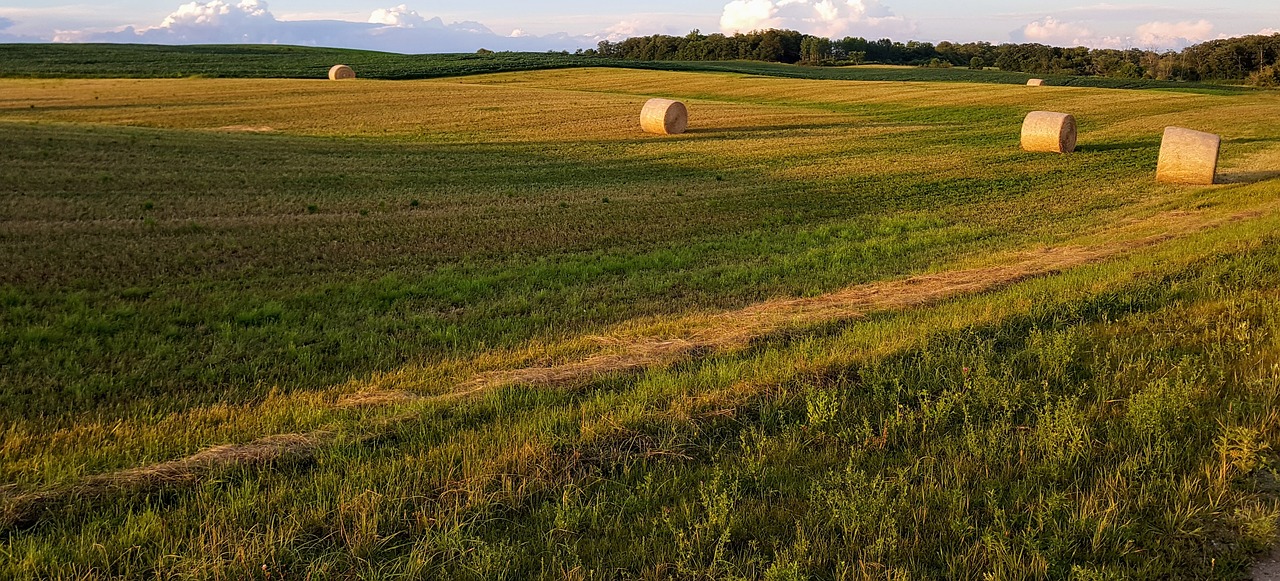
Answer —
(1049, 132)
(340, 72)
(1188, 157)
(1035, 83)
(664, 117)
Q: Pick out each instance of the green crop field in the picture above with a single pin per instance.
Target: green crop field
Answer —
(484, 327)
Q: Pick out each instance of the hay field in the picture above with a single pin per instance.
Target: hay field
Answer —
(485, 326)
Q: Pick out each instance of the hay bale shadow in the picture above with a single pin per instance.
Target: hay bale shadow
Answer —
(765, 128)
(1247, 177)
(1123, 146)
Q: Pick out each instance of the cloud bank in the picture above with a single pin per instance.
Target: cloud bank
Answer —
(5, 36)
(1055, 32)
(1152, 35)
(1173, 34)
(402, 29)
(394, 29)
(829, 18)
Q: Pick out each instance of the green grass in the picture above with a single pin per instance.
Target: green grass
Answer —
(272, 61)
(320, 299)
(1111, 422)
(180, 271)
(173, 283)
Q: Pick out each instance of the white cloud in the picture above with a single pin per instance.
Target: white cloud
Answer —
(466, 26)
(748, 15)
(1052, 31)
(1173, 34)
(248, 20)
(830, 18)
(218, 13)
(396, 29)
(399, 16)
(622, 31)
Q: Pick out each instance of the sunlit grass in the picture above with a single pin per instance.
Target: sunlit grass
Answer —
(174, 281)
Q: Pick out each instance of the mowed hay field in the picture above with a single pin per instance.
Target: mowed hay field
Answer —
(484, 327)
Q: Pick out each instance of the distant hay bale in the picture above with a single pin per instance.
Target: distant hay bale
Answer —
(664, 117)
(1049, 132)
(1035, 83)
(1188, 157)
(339, 72)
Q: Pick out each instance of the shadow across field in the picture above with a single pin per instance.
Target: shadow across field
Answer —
(1121, 146)
(757, 129)
(1244, 140)
(1247, 177)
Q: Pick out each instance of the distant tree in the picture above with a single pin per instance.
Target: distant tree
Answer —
(815, 50)
(484, 52)
(1128, 71)
(770, 49)
(1237, 59)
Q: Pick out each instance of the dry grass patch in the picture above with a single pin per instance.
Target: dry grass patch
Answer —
(375, 397)
(21, 509)
(247, 129)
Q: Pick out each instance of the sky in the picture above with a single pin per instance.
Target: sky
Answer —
(420, 26)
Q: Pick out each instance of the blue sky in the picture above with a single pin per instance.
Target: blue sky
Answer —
(434, 25)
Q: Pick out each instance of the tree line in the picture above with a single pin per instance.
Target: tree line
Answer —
(1255, 59)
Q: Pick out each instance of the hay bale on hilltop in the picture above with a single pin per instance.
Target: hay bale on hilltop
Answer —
(1049, 132)
(340, 72)
(1035, 83)
(1188, 157)
(664, 117)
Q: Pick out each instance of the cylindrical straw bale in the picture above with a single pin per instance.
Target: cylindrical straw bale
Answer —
(664, 117)
(339, 72)
(1035, 83)
(1188, 157)
(1045, 131)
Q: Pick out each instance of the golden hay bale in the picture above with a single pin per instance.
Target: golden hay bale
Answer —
(1188, 157)
(1035, 83)
(339, 72)
(664, 117)
(1049, 132)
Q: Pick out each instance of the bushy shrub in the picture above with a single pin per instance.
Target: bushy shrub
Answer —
(1269, 76)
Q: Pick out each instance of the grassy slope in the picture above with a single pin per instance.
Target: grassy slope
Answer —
(165, 274)
(191, 266)
(271, 61)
